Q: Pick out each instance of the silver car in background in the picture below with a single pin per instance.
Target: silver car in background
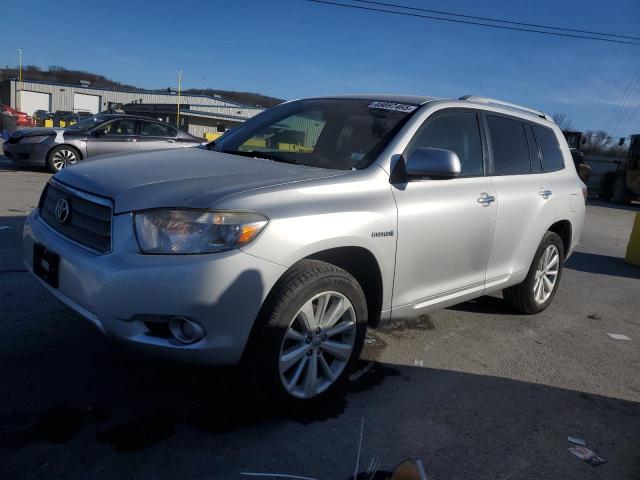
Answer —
(57, 148)
(279, 245)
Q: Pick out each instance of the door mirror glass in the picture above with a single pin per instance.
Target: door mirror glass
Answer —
(433, 162)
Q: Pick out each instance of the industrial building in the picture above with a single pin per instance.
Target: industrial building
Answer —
(199, 114)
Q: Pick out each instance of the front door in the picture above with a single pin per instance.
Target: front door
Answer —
(445, 227)
(114, 137)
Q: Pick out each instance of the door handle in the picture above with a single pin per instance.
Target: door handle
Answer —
(171, 141)
(485, 199)
(545, 193)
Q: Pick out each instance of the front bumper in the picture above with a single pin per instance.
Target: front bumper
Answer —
(118, 291)
(27, 154)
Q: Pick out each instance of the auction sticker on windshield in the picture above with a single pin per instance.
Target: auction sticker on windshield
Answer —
(398, 107)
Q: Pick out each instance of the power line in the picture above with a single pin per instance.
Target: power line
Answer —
(627, 100)
(469, 22)
(489, 19)
(629, 111)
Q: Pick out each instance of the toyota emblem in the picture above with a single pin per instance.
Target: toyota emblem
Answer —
(63, 210)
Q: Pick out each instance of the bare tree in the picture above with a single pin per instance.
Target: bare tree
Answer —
(563, 121)
(597, 142)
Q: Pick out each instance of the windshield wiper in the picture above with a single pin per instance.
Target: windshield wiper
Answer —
(265, 155)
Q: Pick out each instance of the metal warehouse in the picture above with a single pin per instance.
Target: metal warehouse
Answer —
(200, 115)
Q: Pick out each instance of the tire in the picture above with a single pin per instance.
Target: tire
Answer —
(271, 356)
(621, 194)
(606, 185)
(527, 297)
(62, 156)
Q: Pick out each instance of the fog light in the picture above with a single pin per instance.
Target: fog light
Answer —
(185, 331)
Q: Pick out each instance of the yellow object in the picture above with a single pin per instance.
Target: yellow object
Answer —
(211, 136)
(63, 123)
(72, 123)
(291, 147)
(48, 123)
(633, 249)
(255, 142)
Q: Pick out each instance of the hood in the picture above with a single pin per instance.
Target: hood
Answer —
(187, 178)
(33, 132)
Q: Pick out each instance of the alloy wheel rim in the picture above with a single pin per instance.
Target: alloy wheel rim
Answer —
(63, 158)
(317, 345)
(546, 274)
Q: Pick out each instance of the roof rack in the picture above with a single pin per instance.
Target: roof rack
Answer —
(493, 101)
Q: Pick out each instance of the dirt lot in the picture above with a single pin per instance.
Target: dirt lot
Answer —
(475, 391)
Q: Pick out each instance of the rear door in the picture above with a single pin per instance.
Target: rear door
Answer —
(445, 227)
(116, 136)
(156, 136)
(524, 196)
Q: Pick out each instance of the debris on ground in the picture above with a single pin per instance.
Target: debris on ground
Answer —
(594, 316)
(618, 336)
(577, 440)
(369, 340)
(359, 373)
(586, 454)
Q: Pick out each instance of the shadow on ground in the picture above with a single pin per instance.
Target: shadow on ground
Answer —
(602, 264)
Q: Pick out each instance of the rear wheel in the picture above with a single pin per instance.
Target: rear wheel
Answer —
(61, 157)
(313, 332)
(539, 287)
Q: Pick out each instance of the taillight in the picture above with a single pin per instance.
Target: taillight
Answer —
(584, 192)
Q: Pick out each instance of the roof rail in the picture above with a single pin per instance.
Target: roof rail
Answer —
(493, 101)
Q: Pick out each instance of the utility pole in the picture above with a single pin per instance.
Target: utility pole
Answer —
(19, 92)
(204, 80)
(179, 83)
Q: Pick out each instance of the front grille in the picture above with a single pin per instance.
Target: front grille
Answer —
(89, 222)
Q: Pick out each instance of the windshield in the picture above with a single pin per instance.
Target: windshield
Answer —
(341, 134)
(87, 123)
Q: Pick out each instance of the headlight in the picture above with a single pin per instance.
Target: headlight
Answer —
(37, 139)
(195, 231)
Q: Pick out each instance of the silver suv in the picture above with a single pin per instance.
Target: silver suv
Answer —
(280, 244)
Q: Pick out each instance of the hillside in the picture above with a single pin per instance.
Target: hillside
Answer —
(62, 75)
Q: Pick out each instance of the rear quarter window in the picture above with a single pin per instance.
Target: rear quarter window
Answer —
(552, 158)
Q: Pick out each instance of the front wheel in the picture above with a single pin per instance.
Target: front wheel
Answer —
(60, 157)
(313, 331)
(539, 287)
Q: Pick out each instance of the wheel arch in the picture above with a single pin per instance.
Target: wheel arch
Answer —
(564, 229)
(364, 267)
(69, 145)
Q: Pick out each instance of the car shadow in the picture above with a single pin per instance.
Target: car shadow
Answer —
(599, 202)
(486, 304)
(602, 264)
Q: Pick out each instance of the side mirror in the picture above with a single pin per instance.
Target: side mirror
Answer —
(432, 162)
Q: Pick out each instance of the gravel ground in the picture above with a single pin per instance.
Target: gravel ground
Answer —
(475, 391)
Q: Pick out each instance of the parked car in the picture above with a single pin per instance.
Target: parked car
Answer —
(283, 242)
(22, 119)
(39, 116)
(57, 148)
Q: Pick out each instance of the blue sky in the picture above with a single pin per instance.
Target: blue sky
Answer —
(293, 48)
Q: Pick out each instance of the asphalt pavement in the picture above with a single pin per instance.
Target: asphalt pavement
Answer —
(474, 391)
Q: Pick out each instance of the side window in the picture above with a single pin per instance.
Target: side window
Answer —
(552, 159)
(458, 132)
(509, 145)
(153, 129)
(125, 126)
(536, 164)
